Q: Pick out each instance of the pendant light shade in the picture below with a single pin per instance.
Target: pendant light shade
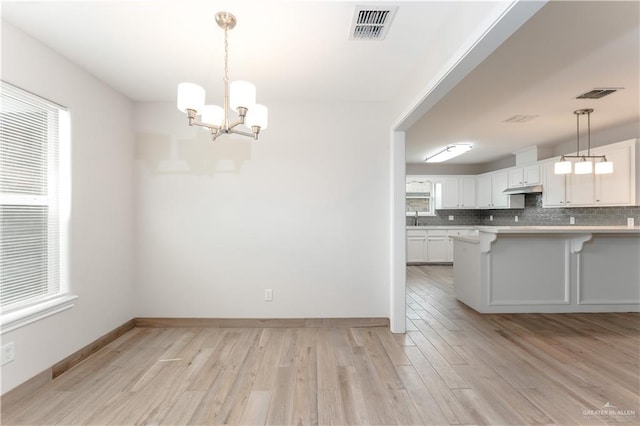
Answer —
(604, 167)
(242, 94)
(212, 114)
(562, 167)
(257, 116)
(190, 96)
(583, 167)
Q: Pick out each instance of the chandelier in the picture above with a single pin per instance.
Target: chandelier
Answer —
(584, 166)
(239, 96)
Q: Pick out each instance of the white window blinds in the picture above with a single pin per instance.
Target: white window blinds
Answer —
(30, 237)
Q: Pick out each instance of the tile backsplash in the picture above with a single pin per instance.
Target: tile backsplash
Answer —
(532, 214)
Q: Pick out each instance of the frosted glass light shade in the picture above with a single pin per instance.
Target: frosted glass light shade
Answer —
(190, 96)
(212, 114)
(257, 116)
(562, 167)
(604, 167)
(241, 94)
(583, 167)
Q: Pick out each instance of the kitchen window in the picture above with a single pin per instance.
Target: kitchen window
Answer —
(419, 200)
(34, 207)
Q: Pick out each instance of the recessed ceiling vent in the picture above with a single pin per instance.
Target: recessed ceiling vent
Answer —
(371, 23)
(598, 93)
(520, 118)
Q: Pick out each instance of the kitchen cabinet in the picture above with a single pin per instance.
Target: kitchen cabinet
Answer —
(617, 188)
(432, 245)
(580, 189)
(437, 246)
(524, 176)
(490, 192)
(456, 193)
(416, 246)
(553, 187)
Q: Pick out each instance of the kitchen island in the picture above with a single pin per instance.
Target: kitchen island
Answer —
(510, 269)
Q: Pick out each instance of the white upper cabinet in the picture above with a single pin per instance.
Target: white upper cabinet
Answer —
(457, 193)
(467, 194)
(490, 192)
(524, 176)
(580, 190)
(499, 182)
(553, 187)
(619, 188)
(484, 191)
(450, 191)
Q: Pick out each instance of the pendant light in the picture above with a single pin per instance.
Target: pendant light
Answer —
(585, 165)
(239, 96)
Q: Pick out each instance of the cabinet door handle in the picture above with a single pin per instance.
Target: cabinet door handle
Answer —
(597, 201)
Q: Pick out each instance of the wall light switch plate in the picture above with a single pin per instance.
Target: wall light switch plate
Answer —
(450, 217)
(268, 295)
(572, 220)
(630, 221)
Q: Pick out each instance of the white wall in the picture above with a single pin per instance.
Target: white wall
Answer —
(101, 228)
(303, 211)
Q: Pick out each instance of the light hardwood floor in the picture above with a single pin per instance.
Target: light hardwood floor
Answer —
(453, 366)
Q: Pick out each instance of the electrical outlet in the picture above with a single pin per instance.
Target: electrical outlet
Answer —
(630, 221)
(8, 353)
(572, 220)
(515, 218)
(268, 295)
(491, 217)
(450, 217)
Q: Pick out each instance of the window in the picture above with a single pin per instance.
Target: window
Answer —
(34, 187)
(419, 197)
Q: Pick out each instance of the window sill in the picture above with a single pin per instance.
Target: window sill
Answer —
(30, 314)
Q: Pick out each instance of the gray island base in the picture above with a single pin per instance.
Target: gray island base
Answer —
(518, 269)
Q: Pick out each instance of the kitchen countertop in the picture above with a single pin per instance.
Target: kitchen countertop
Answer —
(572, 229)
(443, 227)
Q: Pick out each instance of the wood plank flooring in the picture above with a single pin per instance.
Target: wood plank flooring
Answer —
(453, 366)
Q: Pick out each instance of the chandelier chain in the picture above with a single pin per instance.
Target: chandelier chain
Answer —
(226, 55)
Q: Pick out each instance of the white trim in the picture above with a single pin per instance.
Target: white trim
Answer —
(397, 319)
(21, 317)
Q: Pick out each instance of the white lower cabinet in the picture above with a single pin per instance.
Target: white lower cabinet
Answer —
(437, 246)
(416, 246)
(432, 245)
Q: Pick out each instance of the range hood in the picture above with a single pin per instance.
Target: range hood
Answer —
(531, 189)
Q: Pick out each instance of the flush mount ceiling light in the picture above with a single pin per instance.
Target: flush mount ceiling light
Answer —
(584, 166)
(448, 153)
(239, 96)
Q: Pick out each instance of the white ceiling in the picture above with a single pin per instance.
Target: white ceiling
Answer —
(291, 50)
(299, 50)
(566, 49)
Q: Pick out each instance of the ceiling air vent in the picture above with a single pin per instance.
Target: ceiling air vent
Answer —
(598, 93)
(371, 23)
